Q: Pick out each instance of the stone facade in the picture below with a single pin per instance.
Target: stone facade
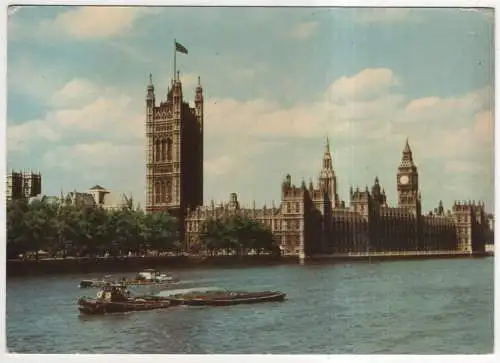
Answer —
(95, 197)
(23, 185)
(174, 132)
(310, 219)
(313, 220)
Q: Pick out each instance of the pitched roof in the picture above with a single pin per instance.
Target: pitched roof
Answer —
(97, 187)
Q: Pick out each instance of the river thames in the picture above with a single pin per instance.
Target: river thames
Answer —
(400, 307)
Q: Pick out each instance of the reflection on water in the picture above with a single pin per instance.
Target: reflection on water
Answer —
(434, 306)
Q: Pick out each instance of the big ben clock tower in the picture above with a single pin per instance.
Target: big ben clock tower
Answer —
(407, 181)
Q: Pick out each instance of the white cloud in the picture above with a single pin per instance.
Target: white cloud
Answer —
(79, 111)
(365, 85)
(20, 136)
(361, 97)
(450, 127)
(77, 91)
(304, 30)
(384, 15)
(103, 132)
(452, 109)
(93, 21)
(484, 126)
(107, 155)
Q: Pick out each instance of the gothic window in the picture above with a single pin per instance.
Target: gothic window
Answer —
(168, 191)
(162, 191)
(169, 149)
(297, 207)
(163, 151)
(157, 192)
(157, 151)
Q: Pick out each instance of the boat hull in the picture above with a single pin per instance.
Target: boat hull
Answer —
(237, 299)
(99, 307)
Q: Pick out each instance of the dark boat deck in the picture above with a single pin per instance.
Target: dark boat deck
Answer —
(228, 298)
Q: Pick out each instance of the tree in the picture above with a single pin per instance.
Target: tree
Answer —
(211, 235)
(37, 226)
(160, 231)
(16, 242)
(236, 233)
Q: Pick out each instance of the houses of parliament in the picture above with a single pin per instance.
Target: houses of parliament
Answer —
(311, 219)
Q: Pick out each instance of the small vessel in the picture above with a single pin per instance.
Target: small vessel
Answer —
(115, 298)
(151, 276)
(225, 298)
(148, 277)
(84, 284)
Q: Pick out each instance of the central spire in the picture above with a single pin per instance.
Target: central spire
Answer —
(407, 149)
(327, 157)
(407, 158)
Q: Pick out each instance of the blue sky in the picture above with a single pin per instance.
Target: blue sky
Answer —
(276, 81)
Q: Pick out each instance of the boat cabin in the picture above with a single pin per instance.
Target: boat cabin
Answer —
(153, 275)
(113, 293)
(148, 274)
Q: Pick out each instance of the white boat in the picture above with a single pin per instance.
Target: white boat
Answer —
(95, 282)
(151, 276)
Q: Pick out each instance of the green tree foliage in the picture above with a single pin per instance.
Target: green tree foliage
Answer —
(80, 230)
(236, 235)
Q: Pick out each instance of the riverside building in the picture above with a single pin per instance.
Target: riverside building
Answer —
(310, 219)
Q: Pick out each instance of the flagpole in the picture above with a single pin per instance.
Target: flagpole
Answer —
(175, 56)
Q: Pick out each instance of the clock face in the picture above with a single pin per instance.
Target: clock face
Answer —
(403, 179)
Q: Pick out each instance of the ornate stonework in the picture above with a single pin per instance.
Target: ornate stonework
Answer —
(313, 220)
(309, 219)
(174, 132)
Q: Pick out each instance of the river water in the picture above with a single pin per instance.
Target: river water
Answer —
(413, 307)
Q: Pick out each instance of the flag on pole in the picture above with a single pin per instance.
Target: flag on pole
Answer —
(180, 48)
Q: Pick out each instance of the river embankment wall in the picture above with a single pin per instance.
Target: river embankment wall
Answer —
(133, 264)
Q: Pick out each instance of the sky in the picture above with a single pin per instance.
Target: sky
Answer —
(277, 82)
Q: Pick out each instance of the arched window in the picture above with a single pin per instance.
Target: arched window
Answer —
(158, 193)
(163, 151)
(168, 190)
(157, 151)
(162, 191)
(169, 149)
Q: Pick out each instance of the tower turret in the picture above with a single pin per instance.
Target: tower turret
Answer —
(177, 96)
(198, 103)
(376, 188)
(327, 179)
(407, 181)
(150, 93)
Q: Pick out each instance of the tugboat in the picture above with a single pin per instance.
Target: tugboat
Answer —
(115, 298)
(225, 298)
